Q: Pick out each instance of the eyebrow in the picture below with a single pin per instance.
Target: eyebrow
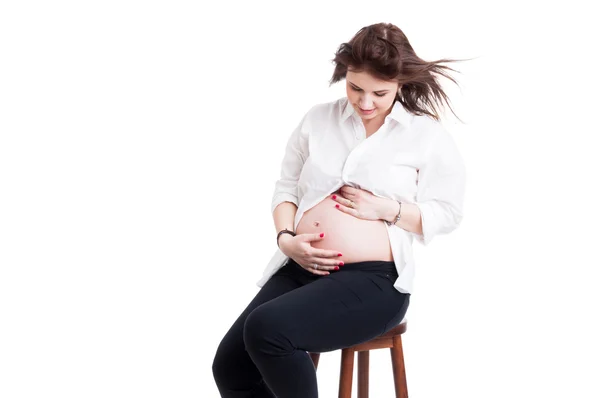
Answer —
(378, 91)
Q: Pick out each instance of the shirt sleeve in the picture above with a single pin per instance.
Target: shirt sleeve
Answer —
(441, 188)
(296, 152)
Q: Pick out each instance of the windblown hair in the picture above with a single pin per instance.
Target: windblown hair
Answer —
(383, 51)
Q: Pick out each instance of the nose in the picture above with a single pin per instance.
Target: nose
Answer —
(365, 102)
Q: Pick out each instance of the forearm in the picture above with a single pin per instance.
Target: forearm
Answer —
(410, 215)
(283, 216)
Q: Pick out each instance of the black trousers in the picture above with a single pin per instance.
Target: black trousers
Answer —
(265, 352)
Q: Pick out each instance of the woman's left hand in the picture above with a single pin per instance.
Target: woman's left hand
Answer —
(358, 202)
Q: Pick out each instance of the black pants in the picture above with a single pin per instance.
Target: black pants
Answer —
(265, 352)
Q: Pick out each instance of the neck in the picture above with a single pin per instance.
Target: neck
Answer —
(372, 125)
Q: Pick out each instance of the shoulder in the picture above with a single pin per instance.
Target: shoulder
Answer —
(427, 127)
(430, 131)
(432, 141)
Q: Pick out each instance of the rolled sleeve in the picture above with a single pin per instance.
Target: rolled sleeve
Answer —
(296, 152)
(441, 189)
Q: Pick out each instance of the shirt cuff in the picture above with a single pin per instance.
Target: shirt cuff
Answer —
(425, 217)
(436, 218)
(283, 197)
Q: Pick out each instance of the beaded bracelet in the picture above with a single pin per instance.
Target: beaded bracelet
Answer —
(397, 216)
(284, 231)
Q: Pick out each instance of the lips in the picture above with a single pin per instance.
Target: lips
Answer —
(364, 112)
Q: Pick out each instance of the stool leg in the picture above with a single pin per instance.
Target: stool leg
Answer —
(363, 374)
(398, 368)
(315, 358)
(346, 373)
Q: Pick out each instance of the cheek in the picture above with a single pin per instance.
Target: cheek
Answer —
(352, 96)
(385, 103)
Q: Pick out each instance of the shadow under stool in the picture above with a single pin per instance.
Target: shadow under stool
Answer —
(392, 340)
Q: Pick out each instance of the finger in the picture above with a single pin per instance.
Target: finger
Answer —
(318, 272)
(323, 253)
(311, 269)
(324, 265)
(347, 202)
(346, 209)
(342, 200)
(328, 264)
(348, 190)
(314, 237)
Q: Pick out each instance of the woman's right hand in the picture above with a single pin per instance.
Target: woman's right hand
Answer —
(299, 249)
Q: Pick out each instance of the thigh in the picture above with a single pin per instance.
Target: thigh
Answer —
(337, 311)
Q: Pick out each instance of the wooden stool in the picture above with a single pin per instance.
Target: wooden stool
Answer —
(392, 340)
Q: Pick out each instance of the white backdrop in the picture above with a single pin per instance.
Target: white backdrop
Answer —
(139, 146)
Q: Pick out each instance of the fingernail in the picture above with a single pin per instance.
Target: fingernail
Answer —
(322, 234)
(336, 268)
(333, 197)
(341, 263)
(339, 254)
(337, 206)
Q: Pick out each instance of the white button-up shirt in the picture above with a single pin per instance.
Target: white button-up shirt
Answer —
(410, 159)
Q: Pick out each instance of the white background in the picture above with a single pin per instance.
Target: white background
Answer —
(139, 146)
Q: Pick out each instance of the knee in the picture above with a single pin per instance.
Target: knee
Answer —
(261, 329)
(255, 327)
(220, 365)
(229, 359)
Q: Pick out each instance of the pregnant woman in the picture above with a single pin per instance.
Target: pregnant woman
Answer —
(361, 178)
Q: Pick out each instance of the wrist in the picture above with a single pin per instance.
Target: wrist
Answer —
(283, 241)
(390, 210)
(395, 213)
(284, 235)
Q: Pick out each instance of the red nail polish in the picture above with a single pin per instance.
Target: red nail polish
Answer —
(337, 206)
(339, 254)
(322, 235)
(336, 268)
(341, 263)
(334, 197)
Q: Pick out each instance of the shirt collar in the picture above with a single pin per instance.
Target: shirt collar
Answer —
(398, 113)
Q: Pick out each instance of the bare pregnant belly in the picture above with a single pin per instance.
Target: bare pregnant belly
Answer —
(356, 239)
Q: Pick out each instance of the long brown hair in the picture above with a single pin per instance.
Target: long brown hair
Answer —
(384, 51)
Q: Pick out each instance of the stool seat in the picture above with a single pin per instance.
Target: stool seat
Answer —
(391, 339)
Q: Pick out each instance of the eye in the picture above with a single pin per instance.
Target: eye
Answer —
(360, 89)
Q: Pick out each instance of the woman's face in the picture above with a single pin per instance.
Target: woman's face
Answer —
(370, 97)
